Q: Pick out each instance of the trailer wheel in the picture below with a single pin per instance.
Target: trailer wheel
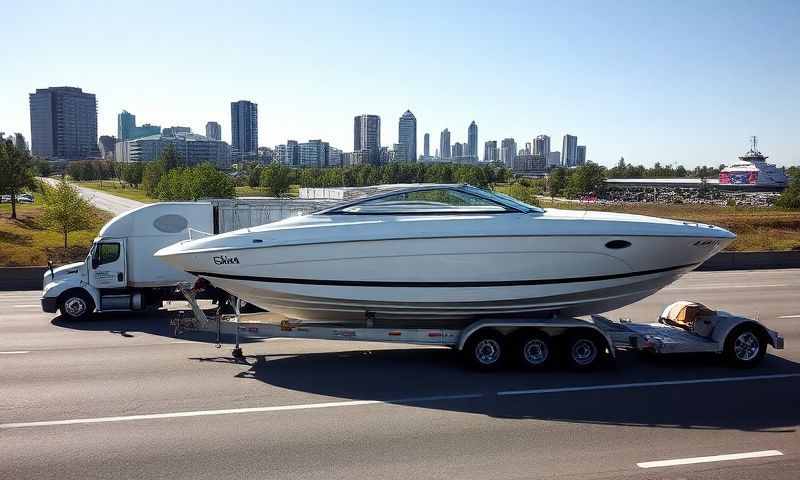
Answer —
(76, 305)
(485, 350)
(745, 346)
(585, 350)
(534, 350)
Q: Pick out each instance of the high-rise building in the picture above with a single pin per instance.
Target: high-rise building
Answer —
(314, 153)
(107, 145)
(426, 146)
(244, 130)
(472, 140)
(127, 129)
(580, 155)
(367, 136)
(126, 122)
(530, 164)
(541, 145)
(508, 151)
(444, 144)
(279, 154)
(63, 123)
(490, 151)
(407, 135)
(528, 148)
(554, 159)
(458, 150)
(213, 131)
(292, 153)
(400, 152)
(569, 151)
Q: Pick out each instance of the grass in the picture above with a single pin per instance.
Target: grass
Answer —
(757, 229)
(115, 188)
(25, 241)
(119, 189)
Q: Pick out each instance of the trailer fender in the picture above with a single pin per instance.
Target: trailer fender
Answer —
(725, 324)
(543, 324)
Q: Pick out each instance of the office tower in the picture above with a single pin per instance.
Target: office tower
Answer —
(407, 135)
(106, 144)
(530, 164)
(126, 122)
(292, 153)
(458, 150)
(426, 146)
(528, 148)
(279, 154)
(367, 136)
(400, 152)
(508, 151)
(213, 131)
(472, 140)
(554, 159)
(490, 151)
(541, 145)
(569, 151)
(314, 153)
(63, 123)
(244, 129)
(191, 148)
(444, 143)
(580, 155)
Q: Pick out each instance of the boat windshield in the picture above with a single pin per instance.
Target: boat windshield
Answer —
(435, 200)
(506, 200)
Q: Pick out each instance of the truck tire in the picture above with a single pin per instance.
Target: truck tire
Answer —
(76, 305)
(485, 350)
(745, 346)
(533, 350)
(585, 350)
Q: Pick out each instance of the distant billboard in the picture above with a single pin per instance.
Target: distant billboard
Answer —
(738, 178)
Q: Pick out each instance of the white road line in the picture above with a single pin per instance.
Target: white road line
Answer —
(26, 306)
(617, 386)
(789, 316)
(714, 458)
(229, 411)
(17, 352)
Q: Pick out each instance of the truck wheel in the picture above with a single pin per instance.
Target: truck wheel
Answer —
(485, 350)
(745, 346)
(585, 350)
(77, 305)
(534, 350)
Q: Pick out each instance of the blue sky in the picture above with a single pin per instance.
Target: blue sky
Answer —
(676, 81)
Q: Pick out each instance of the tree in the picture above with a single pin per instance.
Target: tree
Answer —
(589, 178)
(558, 182)
(132, 173)
(65, 210)
(151, 176)
(16, 173)
(277, 179)
(790, 198)
(194, 183)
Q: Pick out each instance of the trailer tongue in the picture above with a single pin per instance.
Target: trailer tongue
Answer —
(683, 327)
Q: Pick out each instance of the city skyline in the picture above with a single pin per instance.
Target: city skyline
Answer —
(648, 94)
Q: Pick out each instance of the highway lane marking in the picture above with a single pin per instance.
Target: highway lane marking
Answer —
(352, 403)
(229, 411)
(16, 352)
(789, 316)
(26, 306)
(713, 458)
(618, 386)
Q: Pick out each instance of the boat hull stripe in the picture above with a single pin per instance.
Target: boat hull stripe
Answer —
(501, 283)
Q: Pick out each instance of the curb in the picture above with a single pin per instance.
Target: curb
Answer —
(30, 278)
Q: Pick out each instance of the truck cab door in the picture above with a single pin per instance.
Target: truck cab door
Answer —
(108, 265)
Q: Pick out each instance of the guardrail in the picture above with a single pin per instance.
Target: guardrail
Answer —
(30, 278)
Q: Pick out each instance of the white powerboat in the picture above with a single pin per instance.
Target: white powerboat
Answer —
(447, 254)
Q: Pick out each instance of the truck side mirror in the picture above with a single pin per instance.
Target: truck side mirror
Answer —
(95, 262)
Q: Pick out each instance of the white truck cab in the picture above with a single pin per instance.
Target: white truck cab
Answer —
(120, 272)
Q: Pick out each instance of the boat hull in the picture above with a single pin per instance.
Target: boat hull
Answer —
(450, 281)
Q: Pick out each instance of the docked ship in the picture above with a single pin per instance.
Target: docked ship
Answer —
(753, 169)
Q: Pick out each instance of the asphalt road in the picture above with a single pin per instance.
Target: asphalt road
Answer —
(145, 405)
(102, 200)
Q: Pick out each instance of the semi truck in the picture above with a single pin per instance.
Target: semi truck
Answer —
(120, 273)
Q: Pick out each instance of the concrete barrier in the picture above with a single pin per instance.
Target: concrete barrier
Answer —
(30, 278)
(21, 278)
